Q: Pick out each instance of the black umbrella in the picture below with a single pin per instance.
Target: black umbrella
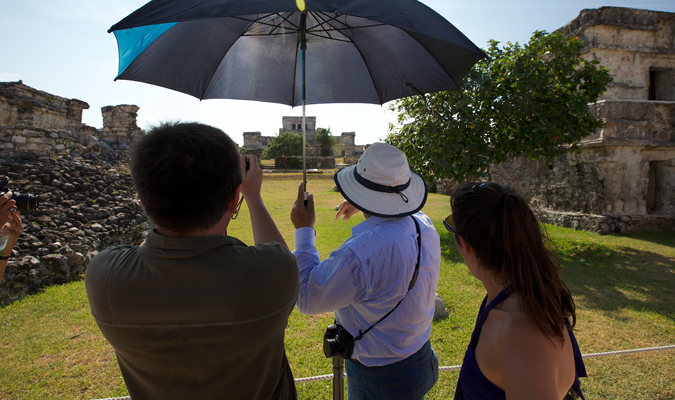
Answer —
(358, 51)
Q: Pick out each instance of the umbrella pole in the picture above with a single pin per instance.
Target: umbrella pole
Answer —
(304, 134)
(303, 47)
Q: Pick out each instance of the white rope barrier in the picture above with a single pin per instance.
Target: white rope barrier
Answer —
(316, 378)
(621, 352)
(458, 367)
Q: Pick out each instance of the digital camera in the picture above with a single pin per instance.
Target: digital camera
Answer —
(24, 202)
(337, 341)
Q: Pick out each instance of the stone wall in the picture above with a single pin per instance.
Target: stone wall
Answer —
(345, 147)
(630, 42)
(344, 144)
(606, 224)
(351, 160)
(80, 174)
(42, 123)
(254, 141)
(86, 205)
(119, 123)
(313, 162)
(635, 121)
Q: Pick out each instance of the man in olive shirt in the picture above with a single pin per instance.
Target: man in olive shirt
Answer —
(193, 313)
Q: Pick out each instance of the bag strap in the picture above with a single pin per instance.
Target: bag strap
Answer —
(412, 281)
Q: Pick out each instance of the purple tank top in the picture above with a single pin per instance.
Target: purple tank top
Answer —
(473, 385)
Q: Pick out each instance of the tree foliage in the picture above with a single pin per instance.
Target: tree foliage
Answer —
(527, 100)
(286, 144)
(325, 138)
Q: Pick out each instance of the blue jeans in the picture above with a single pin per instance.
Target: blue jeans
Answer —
(407, 379)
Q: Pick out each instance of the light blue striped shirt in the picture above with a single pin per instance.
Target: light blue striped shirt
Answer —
(365, 278)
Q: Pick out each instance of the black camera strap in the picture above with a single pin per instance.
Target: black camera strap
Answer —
(412, 281)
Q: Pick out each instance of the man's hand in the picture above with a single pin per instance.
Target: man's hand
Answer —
(264, 228)
(251, 183)
(302, 216)
(346, 210)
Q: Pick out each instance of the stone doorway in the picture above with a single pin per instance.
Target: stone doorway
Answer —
(661, 84)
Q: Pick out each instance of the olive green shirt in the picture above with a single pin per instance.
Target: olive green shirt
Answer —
(197, 318)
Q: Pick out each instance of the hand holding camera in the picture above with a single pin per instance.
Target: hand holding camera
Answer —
(22, 202)
(252, 177)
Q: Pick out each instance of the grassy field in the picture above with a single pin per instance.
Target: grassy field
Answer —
(624, 287)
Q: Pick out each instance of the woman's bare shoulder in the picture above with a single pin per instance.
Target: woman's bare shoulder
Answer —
(533, 364)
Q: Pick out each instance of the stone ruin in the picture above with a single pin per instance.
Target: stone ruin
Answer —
(623, 179)
(42, 123)
(87, 197)
(344, 144)
(86, 205)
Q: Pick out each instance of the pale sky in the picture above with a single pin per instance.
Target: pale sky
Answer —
(62, 47)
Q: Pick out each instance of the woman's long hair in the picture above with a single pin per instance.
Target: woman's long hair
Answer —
(511, 244)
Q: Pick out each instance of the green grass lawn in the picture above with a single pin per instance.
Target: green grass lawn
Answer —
(624, 287)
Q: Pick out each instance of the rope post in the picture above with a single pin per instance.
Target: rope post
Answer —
(338, 383)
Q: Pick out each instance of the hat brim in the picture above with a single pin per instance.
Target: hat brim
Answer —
(379, 204)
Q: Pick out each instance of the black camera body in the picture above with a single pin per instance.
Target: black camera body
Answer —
(24, 202)
(337, 341)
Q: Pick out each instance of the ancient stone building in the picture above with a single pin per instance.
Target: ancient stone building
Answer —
(344, 144)
(623, 179)
(42, 123)
(294, 124)
(87, 200)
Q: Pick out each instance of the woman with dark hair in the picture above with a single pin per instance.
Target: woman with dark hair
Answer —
(522, 346)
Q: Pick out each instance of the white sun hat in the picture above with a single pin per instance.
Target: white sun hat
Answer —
(381, 183)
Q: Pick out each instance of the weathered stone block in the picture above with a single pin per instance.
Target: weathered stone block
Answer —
(40, 140)
(30, 147)
(32, 134)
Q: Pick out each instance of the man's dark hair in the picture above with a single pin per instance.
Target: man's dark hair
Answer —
(185, 175)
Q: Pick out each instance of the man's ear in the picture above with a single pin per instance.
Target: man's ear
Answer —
(232, 206)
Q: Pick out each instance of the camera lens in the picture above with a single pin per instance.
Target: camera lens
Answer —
(25, 202)
(338, 342)
(327, 348)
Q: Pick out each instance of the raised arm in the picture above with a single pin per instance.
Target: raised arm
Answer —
(13, 229)
(264, 228)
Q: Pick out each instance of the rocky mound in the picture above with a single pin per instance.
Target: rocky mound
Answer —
(86, 204)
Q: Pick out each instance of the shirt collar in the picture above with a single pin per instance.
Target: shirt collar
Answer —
(167, 247)
(368, 224)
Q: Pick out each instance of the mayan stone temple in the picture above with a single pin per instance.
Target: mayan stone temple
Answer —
(623, 179)
(344, 145)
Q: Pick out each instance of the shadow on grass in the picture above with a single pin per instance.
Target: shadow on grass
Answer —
(662, 238)
(449, 250)
(613, 278)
